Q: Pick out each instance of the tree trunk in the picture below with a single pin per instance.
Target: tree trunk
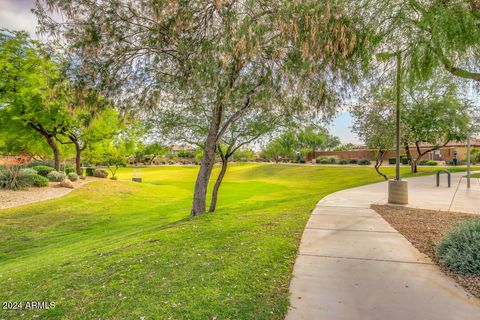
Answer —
(378, 164)
(413, 164)
(78, 158)
(213, 204)
(206, 166)
(56, 152)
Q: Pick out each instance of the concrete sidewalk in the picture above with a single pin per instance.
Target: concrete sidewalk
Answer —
(353, 265)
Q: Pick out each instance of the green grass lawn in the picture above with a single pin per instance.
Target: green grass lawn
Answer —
(124, 250)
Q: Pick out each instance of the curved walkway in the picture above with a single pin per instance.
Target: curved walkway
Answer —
(353, 265)
(12, 199)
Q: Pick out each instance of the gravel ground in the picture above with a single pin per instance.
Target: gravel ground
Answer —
(9, 198)
(424, 229)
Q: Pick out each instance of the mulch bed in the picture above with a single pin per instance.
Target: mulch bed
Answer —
(424, 229)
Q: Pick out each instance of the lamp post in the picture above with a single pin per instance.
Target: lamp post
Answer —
(398, 189)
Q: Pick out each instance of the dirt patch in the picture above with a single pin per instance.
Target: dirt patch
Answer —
(424, 229)
(10, 199)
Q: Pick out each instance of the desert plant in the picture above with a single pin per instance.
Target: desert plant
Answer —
(89, 171)
(35, 180)
(100, 173)
(459, 250)
(11, 174)
(364, 162)
(12, 180)
(55, 176)
(43, 170)
(72, 176)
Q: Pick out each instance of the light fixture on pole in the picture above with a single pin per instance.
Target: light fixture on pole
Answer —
(398, 188)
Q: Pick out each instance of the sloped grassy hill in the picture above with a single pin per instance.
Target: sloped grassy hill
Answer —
(124, 250)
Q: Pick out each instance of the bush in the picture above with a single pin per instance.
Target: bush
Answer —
(392, 160)
(89, 171)
(185, 154)
(45, 163)
(342, 161)
(12, 180)
(113, 178)
(28, 171)
(459, 250)
(43, 170)
(404, 160)
(69, 169)
(353, 161)
(431, 163)
(35, 180)
(332, 160)
(55, 176)
(72, 176)
(301, 161)
(100, 173)
(364, 162)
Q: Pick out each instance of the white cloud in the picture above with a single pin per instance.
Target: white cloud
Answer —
(17, 15)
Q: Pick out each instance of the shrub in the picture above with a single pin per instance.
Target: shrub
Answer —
(43, 170)
(113, 178)
(35, 180)
(89, 171)
(459, 250)
(12, 180)
(353, 161)
(301, 161)
(28, 171)
(69, 169)
(332, 160)
(72, 176)
(55, 176)
(403, 160)
(185, 154)
(100, 173)
(364, 162)
(46, 163)
(431, 163)
(392, 160)
(342, 161)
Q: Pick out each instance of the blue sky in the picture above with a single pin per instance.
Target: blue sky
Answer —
(16, 14)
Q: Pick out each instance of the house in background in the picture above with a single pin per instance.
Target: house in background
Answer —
(446, 153)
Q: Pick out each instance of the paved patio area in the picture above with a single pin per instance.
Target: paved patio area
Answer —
(353, 265)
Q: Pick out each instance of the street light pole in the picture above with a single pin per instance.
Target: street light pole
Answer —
(468, 161)
(398, 188)
(399, 100)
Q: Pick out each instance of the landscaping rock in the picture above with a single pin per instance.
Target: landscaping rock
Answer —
(67, 184)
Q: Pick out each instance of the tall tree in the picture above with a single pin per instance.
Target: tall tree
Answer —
(226, 55)
(434, 115)
(432, 35)
(31, 90)
(374, 123)
(283, 146)
(239, 134)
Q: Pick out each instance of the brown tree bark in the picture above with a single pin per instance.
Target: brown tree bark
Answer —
(223, 170)
(206, 166)
(379, 162)
(56, 152)
(78, 158)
